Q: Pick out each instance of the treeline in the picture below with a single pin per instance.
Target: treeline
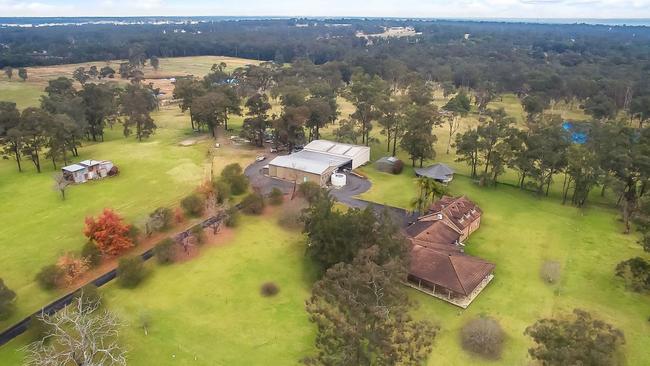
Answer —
(68, 116)
(602, 68)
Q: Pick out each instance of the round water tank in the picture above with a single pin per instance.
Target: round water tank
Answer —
(338, 179)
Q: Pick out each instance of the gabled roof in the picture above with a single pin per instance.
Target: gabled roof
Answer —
(437, 171)
(309, 161)
(434, 231)
(73, 168)
(457, 272)
(461, 211)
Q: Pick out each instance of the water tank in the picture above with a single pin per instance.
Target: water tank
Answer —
(338, 180)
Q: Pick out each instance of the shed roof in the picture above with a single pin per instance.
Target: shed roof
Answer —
(73, 168)
(309, 161)
(335, 148)
(90, 162)
(457, 272)
(388, 160)
(438, 171)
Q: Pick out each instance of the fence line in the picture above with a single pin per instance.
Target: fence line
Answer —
(58, 304)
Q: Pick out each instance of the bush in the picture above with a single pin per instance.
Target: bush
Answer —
(484, 337)
(253, 204)
(130, 272)
(238, 184)
(269, 289)
(398, 166)
(165, 251)
(193, 205)
(90, 297)
(234, 177)
(7, 298)
(133, 234)
(276, 197)
(178, 215)
(198, 233)
(50, 277)
(309, 191)
(550, 272)
(232, 217)
(636, 273)
(72, 267)
(91, 253)
(222, 191)
(108, 231)
(159, 220)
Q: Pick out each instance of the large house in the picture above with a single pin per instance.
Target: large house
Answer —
(318, 161)
(439, 266)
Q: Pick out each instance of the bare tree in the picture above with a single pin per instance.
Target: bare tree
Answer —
(60, 184)
(79, 335)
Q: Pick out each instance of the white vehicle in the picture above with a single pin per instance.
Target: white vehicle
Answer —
(260, 158)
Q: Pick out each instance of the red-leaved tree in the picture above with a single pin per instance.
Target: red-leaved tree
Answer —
(109, 233)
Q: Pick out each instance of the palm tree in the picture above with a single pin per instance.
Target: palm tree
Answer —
(429, 190)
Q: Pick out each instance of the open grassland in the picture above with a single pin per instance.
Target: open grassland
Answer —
(209, 311)
(39, 226)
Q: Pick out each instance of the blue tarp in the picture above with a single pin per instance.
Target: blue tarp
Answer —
(577, 137)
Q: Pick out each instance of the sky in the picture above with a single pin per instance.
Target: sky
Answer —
(529, 9)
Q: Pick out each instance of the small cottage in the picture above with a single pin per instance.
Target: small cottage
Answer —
(88, 170)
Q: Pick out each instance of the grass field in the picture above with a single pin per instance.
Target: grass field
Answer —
(209, 311)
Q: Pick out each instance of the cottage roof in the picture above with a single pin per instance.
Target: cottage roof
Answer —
(434, 231)
(90, 162)
(457, 272)
(437, 171)
(73, 168)
(309, 161)
(461, 211)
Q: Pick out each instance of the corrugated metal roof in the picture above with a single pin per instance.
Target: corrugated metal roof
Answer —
(309, 161)
(73, 168)
(335, 148)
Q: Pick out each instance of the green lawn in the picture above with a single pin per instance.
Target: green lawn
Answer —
(209, 311)
(38, 226)
(24, 94)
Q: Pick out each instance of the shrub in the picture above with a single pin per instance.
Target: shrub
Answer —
(276, 197)
(165, 251)
(7, 298)
(269, 289)
(310, 191)
(134, 233)
(109, 233)
(50, 277)
(90, 297)
(636, 273)
(398, 166)
(232, 217)
(92, 254)
(72, 267)
(550, 272)
(130, 272)
(253, 204)
(238, 184)
(159, 220)
(234, 177)
(193, 205)
(222, 191)
(578, 340)
(483, 336)
(198, 233)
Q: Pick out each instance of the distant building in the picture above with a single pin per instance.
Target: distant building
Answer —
(389, 164)
(438, 264)
(88, 170)
(440, 172)
(318, 161)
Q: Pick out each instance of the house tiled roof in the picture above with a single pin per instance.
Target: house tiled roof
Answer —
(435, 231)
(461, 211)
(457, 272)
